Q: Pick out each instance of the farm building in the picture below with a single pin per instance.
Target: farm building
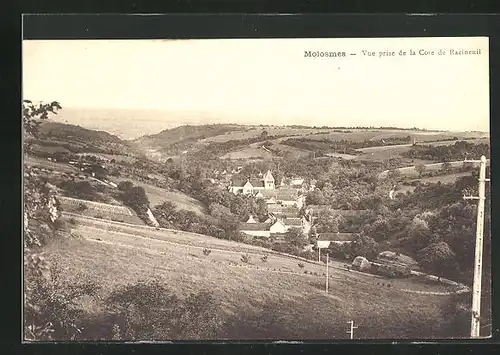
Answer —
(280, 210)
(337, 238)
(251, 219)
(285, 224)
(252, 185)
(256, 229)
(283, 196)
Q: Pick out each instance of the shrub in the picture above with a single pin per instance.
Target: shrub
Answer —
(206, 252)
(72, 221)
(148, 310)
(100, 216)
(81, 207)
(301, 265)
(125, 185)
(59, 224)
(245, 258)
(264, 258)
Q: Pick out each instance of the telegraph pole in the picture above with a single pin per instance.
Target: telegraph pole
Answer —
(478, 263)
(351, 330)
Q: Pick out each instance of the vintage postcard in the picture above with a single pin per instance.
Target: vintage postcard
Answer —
(256, 189)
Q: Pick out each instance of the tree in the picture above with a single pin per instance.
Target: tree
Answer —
(227, 221)
(165, 214)
(125, 185)
(33, 115)
(394, 174)
(420, 168)
(40, 216)
(136, 198)
(295, 237)
(439, 259)
(364, 246)
(329, 222)
(446, 167)
(80, 189)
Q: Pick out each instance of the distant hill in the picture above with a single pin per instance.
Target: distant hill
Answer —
(184, 137)
(78, 139)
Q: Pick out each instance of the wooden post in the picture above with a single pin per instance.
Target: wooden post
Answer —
(327, 272)
(351, 330)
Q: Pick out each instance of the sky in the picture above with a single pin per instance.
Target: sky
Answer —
(266, 81)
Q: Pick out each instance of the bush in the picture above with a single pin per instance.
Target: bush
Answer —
(60, 225)
(301, 265)
(245, 258)
(264, 258)
(206, 252)
(81, 207)
(125, 185)
(148, 310)
(72, 221)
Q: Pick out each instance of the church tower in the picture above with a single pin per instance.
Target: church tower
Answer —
(269, 181)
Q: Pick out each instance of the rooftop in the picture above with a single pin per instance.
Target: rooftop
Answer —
(292, 221)
(254, 226)
(338, 237)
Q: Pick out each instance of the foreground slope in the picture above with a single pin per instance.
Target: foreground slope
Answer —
(272, 299)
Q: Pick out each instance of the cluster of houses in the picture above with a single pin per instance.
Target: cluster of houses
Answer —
(284, 206)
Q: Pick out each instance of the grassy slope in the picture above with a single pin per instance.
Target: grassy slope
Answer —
(157, 196)
(300, 300)
(78, 138)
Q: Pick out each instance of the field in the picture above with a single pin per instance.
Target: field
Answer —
(119, 255)
(44, 163)
(444, 179)
(411, 172)
(157, 196)
(100, 210)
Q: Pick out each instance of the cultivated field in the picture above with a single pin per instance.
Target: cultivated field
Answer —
(115, 257)
(44, 163)
(99, 210)
(444, 179)
(411, 172)
(157, 196)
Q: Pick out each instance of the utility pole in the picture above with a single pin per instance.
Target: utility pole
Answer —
(327, 272)
(478, 263)
(351, 330)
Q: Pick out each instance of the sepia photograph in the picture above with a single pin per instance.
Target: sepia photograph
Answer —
(256, 189)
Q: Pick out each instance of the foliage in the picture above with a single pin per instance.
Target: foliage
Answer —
(149, 310)
(80, 189)
(33, 115)
(125, 185)
(54, 312)
(364, 246)
(457, 151)
(136, 198)
(245, 258)
(206, 252)
(438, 258)
(295, 238)
(420, 168)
